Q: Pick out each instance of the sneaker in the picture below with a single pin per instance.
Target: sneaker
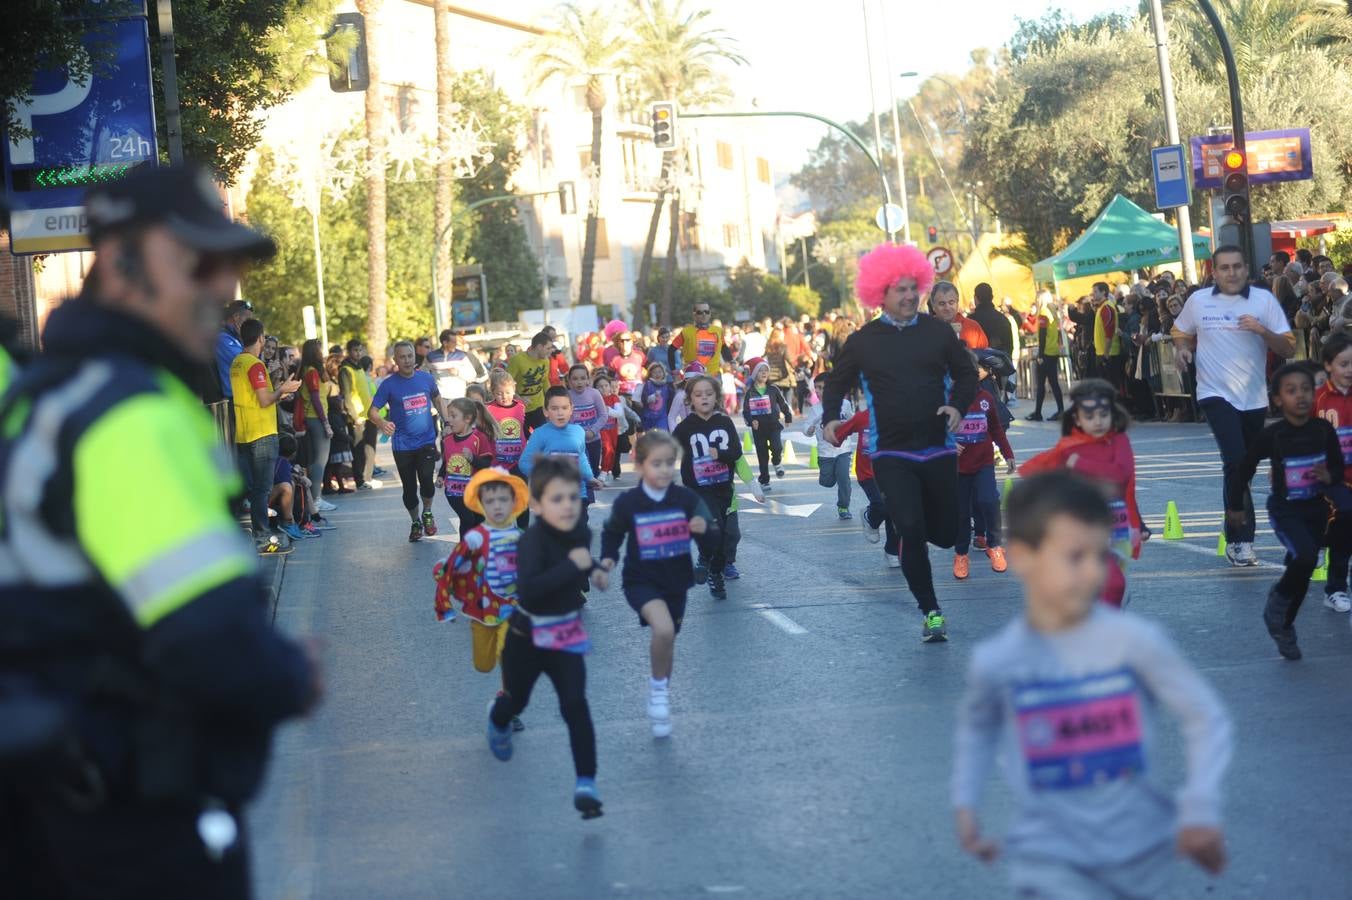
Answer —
(309, 530)
(322, 523)
(1283, 635)
(429, 523)
(271, 546)
(1035, 417)
(779, 471)
(659, 710)
(871, 534)
(702, 572)
(844, 513)
(717, 589)
(500, 742)
(325, 506)
(1056, 416)
(893, 561)
(935, 629)
(585, 798)
(962, 567)
(766, 488)
(415, 532)
(1338, 601)
(730, 572)
(291, 530)
(979, 542)
(997, 557)
(365, 486)
(377, 471)
(1241, 553)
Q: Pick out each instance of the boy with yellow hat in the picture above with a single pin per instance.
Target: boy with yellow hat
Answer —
(480, 573)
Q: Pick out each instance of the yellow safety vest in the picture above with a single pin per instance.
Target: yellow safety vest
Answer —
(252, 421)
(1051, 345)
(1103, 346)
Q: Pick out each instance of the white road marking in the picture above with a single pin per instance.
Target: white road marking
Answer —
(781, 621)
(1203, 551)
(774, 507)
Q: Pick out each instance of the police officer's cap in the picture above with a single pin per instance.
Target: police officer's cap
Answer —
(181, 198)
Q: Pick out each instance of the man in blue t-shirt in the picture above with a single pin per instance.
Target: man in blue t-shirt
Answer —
(411, 395)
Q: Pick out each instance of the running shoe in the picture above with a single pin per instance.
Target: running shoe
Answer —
(585, 798)
(844, 513)
(272, 546)
(377, 471)
(325, 506)
(893, 560)
(779, 471)
(365, 486)
(962, 566)
(309, 530)
(1338, 601)
(429, 523)
(659, 710)
(997, 557)
(730, 572)
(701, 572)
(1056, 416)
(935, 629)
(871, 533)
(1035, 417)
(322, 523)
(1240, 553)
(499, 740)
(415, 533)
(1283, 635)
(765, 488)
(717, 589)
(979, 542)
(291, 530)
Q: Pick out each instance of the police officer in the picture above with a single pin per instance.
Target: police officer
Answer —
(137, 661)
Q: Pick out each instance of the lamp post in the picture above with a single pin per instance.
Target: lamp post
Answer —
(896, 132)
(877, 127)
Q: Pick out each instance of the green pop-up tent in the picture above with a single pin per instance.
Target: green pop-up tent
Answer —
(1123, 237)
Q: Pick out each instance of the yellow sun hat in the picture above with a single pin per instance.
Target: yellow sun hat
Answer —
(521, 496)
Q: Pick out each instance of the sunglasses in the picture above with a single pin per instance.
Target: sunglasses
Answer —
(702, 312)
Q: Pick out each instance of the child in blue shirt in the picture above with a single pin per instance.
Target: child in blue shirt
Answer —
(559, 437)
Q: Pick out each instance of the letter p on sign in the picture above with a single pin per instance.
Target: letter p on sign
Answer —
(64, 100)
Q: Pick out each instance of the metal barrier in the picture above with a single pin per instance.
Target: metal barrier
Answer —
(1025, 386)
(224, 417)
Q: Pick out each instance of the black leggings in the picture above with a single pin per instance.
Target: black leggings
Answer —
(1302, 528)
(417, 471)
(769, 449)
(467, 517)
(1048, 370)
(522, 665)
(732, 536)
(922, 502)
(718, 504)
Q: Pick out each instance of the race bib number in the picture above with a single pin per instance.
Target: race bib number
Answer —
(1079, 733)
(662, 535)
(415, 404)
(585, 416)
(711, 471)
(566, 635)
(1300, 481)
(759, 406)
(706, 347)
(973, 429)
(1345, 442)
(508, 451)
(1121, 521)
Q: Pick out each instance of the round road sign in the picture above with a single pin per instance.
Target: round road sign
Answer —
(941, 259)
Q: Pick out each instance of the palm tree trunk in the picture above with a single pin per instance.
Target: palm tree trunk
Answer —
(646, 266)
(444, 198)
(377, 337)
(673, 247)
(584, 291)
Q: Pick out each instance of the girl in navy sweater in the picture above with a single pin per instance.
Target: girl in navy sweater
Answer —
(658, 518)
(762, 407)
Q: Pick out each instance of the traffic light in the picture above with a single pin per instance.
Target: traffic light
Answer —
(664, 125)
(345, 45)
(933, 234)
(567, 198)
(1235, 185)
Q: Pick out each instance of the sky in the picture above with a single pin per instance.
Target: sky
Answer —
(810, 55)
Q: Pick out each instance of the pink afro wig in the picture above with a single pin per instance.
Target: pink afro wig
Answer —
(614, 327)
(884, 266)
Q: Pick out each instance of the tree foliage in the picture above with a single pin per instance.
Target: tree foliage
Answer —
(42, 35)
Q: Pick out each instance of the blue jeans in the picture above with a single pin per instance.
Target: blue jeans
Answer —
(835, 472)
(258, 463)
(1234, 430)
(978, 498)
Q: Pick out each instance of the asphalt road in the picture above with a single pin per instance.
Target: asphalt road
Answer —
(812, 742)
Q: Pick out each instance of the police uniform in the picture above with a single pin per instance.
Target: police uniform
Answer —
(136, 651)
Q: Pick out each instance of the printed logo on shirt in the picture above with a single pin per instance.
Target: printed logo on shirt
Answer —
(759, 406)
(1080, 732)
(973, 429)
(663, 534)
(1345, 443)
(1300, 481)
(501, 570)
(458, 473)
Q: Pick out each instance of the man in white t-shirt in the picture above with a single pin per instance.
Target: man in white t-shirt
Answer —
(1231, 328)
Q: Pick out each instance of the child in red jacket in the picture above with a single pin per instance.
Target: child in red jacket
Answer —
(875, 516)
(981, 431)
(1095, 444)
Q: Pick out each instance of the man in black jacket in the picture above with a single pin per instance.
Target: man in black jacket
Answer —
(991, 320)
(917, 380)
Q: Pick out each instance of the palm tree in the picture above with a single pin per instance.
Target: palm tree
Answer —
(444, 195)
(1262, 31)
(377, 336)
(581, 44)
(677, 56)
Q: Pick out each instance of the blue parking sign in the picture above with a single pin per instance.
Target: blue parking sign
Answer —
(82, 135)
(1169, 167)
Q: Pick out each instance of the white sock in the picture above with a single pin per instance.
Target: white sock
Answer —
(657, 684)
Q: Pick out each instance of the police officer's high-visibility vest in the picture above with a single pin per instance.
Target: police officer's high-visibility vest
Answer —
(6, 370)
(1103, 346)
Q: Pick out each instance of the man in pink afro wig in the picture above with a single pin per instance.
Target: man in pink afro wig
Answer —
(916, 377)
(887, 264)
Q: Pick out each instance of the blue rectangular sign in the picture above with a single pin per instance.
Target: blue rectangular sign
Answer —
(82, 135)
(1169, 168)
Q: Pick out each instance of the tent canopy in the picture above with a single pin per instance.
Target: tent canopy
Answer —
(1123, 237)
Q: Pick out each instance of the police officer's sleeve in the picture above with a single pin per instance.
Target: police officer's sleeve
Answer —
(166, 543)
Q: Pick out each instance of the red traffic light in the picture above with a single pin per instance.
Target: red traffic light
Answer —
(933, 234)
(1233, 160)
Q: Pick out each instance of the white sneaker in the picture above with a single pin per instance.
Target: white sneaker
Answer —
(893, 562)
(1338, 601)
(324, 506)
(1241, 553)
(870, 533)
(659, 710)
